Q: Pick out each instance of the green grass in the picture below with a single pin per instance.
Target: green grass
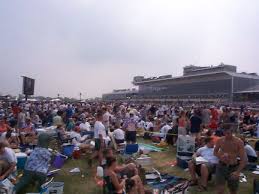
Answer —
(160, 160)
(75, 184)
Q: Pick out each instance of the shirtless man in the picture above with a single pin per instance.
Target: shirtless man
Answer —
(228, 149)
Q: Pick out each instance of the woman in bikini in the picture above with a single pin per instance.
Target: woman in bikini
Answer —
(116, 185)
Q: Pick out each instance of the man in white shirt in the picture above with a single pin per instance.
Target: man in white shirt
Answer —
(106, 119)
(250, 152)
(78, 140)
(99, 129)
(149, 125)
(119, 135)
(99, 137)
(164, 130)
(8, 161)
(85, 126)
(205, 169)
(141, 124)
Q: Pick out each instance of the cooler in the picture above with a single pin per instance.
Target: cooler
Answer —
(21, 160)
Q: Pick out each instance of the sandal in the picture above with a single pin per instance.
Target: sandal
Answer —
(193, 183)
(202, 188)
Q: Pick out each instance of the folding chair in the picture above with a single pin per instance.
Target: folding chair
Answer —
(118, 147)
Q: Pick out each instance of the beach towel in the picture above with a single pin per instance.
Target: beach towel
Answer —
(169, 184)
(151, 148)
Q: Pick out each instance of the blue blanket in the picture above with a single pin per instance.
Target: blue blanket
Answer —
(170, 181)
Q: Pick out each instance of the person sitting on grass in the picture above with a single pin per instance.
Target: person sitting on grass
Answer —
(117, 184)
(12, 139)
(126, 169)
(164, 130)
(119, 134)
(8, 161)
(250, 152)
(37, 165)
(172, 134)
(3, 126)
(206, 169)
(149, 127)
(78, 140)
(61, 133)
(156, 136)
(27, 133)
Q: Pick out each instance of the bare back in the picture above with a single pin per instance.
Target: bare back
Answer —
(231, 148)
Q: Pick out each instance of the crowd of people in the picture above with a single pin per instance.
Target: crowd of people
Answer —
(214, 128)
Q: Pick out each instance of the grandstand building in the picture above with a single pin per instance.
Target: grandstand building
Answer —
(211, 83)
(121, 94)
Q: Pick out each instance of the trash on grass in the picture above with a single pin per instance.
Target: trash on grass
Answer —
(75, 170)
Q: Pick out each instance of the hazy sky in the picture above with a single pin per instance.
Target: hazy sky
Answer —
(72, 46)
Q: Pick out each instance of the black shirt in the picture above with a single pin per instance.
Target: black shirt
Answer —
(195, 124)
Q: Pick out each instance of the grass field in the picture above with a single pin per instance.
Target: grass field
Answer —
(75, 184)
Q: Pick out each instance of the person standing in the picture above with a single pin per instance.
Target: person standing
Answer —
(99, 137)
(195, 124)
(130, 125)
(57, 119)
(69, 112)
(205, 116)
(182, 123)
(4, 127)
(106, 119)
(21, 119)
(228, 149)
(213, 125)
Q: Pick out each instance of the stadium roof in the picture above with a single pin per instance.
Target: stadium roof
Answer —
(254, 89)
(232, 74)
(123, 92)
